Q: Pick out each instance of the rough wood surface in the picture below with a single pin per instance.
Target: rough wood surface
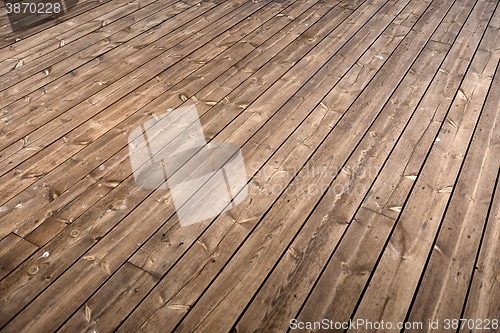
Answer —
(370, 136)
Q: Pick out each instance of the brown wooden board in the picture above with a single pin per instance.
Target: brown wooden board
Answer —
(369, 135)
(483, 297)
(187, 293)
(350, 267)
(81, 136)
(452, 258)
(189, 87)
(113, 302)
(411, 241)
(13, 251)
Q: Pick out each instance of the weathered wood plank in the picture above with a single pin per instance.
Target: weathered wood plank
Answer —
(484, 296)
(51, 26)
(401, 263)
(88, 220)
(13, 251)
(349, 269)
(86, 134)
(184, 297)
(189, 86)
(452, 258)
(104, 311)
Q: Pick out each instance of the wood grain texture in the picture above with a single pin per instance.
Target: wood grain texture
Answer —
(13, 251)
(369, 133)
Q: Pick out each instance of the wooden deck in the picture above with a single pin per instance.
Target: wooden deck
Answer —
(370, 132)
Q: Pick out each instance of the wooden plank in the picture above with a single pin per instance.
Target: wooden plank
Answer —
(104, 311)
(31, 76)
(83, 79)
(217, 252)
(132, 122)
(100, 54)
(59, 219)
(112, 261)
(51, 26)
(81, 26)
(349, 269)
(257, 255)
(452, 258)
(72, 143)
(112, 216)
(13, 251)
(401, 263)
(94, 174)
(484, 295)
